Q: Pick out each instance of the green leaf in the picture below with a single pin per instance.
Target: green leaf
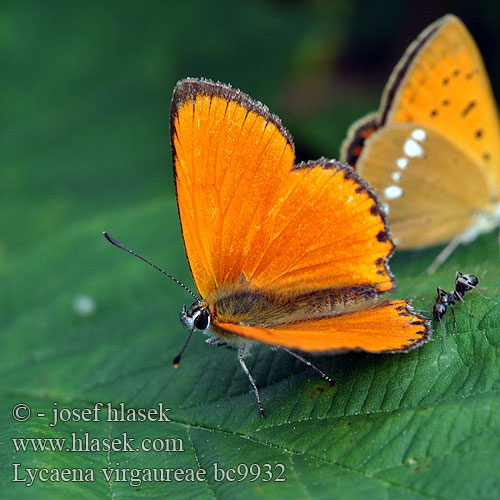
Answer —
(85, 93)
(418, 425)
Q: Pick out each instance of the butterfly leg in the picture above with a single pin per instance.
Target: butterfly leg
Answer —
(310, 365)
(217, 342)
(241, 354)
(445, 253)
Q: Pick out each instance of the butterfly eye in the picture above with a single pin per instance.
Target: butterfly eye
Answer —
(202, 320)
(197, 316)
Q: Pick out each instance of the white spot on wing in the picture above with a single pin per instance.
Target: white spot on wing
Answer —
(402, 163)
(419, 134)
(396, 176)
(392, 192)
(412, 148)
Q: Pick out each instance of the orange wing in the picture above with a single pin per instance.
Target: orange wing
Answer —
(246, 214)
(230, 156)
(325, 229)
(391, 326)
(441, 82)
(448, 184)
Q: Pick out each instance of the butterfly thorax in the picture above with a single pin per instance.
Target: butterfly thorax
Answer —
(244, 304)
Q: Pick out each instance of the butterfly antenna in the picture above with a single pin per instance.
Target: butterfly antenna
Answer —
(177, 359)
(119, 245)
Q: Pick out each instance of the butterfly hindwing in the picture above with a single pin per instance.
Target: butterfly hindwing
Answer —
(390, 326)
(420, 175)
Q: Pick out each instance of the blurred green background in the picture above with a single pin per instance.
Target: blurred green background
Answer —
(85, 92)
(86, 87)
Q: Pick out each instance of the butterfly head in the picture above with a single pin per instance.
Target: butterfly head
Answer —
(196, 317)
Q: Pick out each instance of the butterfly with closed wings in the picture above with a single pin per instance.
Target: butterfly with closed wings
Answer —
(432, 151)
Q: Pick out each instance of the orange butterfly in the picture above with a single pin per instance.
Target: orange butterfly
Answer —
(294, 256)
(432, 151)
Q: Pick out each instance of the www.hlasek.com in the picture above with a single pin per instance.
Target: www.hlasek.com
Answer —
(83, 442)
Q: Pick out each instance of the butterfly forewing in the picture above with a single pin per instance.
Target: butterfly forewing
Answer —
(245, 212)
(230, 155)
